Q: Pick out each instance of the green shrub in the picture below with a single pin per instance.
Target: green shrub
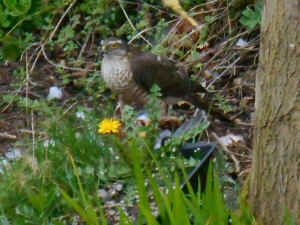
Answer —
(251, 16)
(18, 19)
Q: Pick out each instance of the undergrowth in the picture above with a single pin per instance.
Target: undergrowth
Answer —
(59, 178)
(66, 161)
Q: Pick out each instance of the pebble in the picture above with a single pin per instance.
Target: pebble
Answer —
(104, 195)
(54, 93)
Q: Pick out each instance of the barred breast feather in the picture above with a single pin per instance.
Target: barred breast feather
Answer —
(116, 72)
(118, 77)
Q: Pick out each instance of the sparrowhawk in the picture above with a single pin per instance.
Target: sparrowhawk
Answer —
(131, 74)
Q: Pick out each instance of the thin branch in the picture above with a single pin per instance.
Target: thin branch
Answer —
(218, 77)
(27, 81)
(198, 29)
(12, 101)
(69, 108)
(33, 137)
(131, 24)
(60, 65)
(8, 136)
(85, 43)
(139, 34)
(151, 28)
(52, 34)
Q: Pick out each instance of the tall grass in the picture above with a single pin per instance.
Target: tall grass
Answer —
(63, 178)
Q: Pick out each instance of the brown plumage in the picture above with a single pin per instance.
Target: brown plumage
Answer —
(131, 74)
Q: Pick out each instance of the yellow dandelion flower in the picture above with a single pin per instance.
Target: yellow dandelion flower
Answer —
(109, 126)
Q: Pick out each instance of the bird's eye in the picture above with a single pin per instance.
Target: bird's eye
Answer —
(114, 45)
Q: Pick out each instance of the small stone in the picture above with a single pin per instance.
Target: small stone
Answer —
(104, 195)
(80, 115)
(54, 93)
(241, 43)
(111, 212)
(14, 154)
(143, 119)
(112, 192)
(110, 203)
(118, 187)
(77, 135)
(48, 143)
(3, 163)
(230, 139)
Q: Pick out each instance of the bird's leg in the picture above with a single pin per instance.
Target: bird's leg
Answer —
(119, 108)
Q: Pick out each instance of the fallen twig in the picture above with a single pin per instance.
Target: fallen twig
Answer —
(52, 33)
(229, 67)
(8, 136)
(62, 66)
(131, 24)
(85, 43)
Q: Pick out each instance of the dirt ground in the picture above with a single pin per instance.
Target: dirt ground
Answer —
(16, 123)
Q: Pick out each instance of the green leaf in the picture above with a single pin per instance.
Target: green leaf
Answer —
(17, 7)
(10, 47)
(180, 209)
(203, 33)
(252, 17)
(209, 19)
(258, 6)
(4, 220)
(4, 20)
(124, 219)
(66, 34)
(87, 213)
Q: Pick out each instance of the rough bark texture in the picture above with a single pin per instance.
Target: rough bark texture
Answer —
(275, 176)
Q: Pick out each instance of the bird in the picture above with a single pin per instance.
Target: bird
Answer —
(131, 73)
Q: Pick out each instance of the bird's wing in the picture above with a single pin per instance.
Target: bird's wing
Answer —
(149, 69)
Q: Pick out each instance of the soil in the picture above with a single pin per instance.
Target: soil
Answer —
(15, 122)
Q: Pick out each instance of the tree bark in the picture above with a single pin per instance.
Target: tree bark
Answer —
(275, 176)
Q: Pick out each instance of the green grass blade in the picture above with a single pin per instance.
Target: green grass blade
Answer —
(88, 214)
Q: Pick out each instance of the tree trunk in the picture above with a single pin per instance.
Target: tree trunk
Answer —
(275, 176)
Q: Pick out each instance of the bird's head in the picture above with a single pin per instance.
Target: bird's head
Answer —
(114, 47)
